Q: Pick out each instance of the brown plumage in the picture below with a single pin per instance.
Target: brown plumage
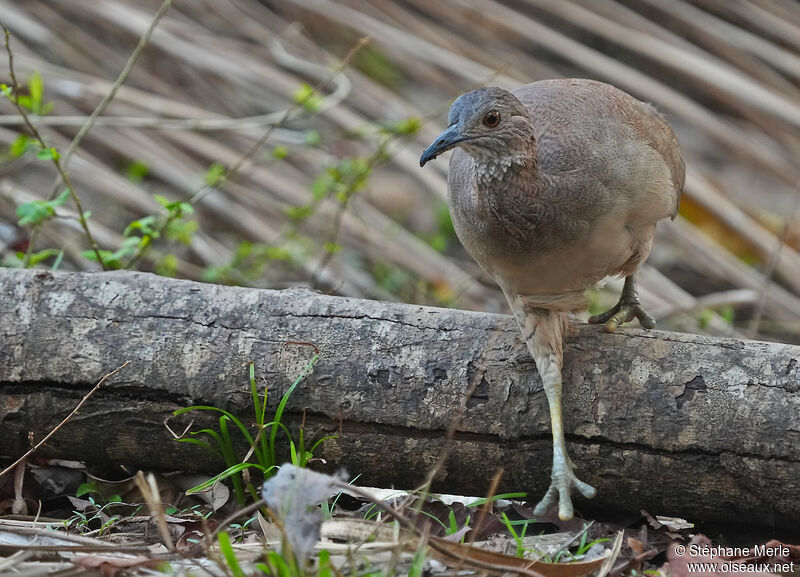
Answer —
(552, 188)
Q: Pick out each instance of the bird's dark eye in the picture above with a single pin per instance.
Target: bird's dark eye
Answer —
(491, 119)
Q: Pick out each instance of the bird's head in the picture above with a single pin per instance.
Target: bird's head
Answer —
(490, 124)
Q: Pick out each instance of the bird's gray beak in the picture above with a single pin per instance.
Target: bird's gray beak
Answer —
(444, 142)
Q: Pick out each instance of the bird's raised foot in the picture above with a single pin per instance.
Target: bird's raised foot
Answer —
(623, 312)
(560, 491)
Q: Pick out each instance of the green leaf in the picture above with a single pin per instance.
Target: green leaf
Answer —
(42, 255)
(47, 154)
(321, 185)
(85, 489)
(181, 230)
(438, 242)
(728, 313)
(444, 221)
(90, 255)
(280, 152)
(215, 174)
(6, 90)
(243, 250)
(34, 212)
(60, 199)
(312, 138)
(20, 146)
(277, 253)
(277, 566)
(163, 201)
(331, 247)
(25, 101)
(307, 97)
(137, 171)
(298, 213)
(214, 274)
(36, 88)
(114, 259)
(409, 126)
(167, 266)
(144, 225)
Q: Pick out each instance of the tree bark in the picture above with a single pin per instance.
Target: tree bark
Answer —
(677, 424)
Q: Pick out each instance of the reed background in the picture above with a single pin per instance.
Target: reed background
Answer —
(322, 187)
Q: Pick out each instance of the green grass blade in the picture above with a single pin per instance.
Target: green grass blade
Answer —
(228, 554)
(231, 416)
(278, 567)
(230, 471)
(418, 562)
(285, 399)
(324, 569)
(480, 502)
(203, 444)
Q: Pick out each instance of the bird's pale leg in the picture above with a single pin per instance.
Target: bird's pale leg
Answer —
(625, 310)
(563, 477)
(543, 332)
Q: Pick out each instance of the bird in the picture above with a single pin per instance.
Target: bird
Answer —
(552, 188)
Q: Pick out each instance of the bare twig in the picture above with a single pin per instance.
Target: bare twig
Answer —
(149, 489)
(123, 76)
(773, 264)
(245, 159)
(407, 524)
(487, 506)
(64, 421)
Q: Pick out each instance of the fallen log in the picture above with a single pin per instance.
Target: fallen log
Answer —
(677, 424)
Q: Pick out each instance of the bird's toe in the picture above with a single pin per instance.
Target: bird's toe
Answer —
(602, 318)
(645, 319)
(560, 491)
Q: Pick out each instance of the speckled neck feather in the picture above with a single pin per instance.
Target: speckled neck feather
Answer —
(491, 169)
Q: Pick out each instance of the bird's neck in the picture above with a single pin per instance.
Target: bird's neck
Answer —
(513, 167)
(507, 194)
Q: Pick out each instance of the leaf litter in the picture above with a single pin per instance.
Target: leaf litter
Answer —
(320, 519)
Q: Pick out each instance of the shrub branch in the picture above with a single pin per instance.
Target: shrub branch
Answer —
(15, 86)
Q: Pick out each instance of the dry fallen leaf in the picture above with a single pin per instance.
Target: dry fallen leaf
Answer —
(293, 495)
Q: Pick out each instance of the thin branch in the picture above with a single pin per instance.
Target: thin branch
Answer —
(123, 76)
(55, 160)
(64, 421)
(245, 159)
(61, 168)
(407, 524)
(752, 331)
(333, 233)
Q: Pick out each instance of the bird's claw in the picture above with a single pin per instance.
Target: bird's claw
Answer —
(623, 312)
(560, 490)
